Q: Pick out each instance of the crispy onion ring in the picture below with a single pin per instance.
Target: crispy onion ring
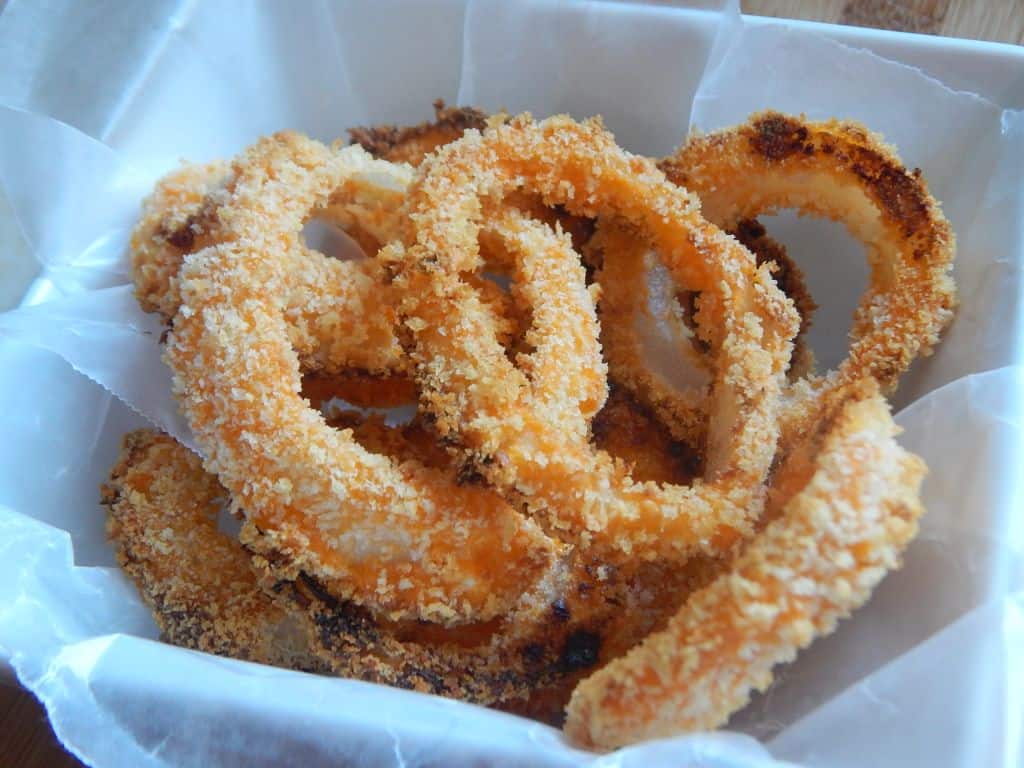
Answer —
(396, 538)
(641, 310)
(842, 171)
(529, 660)
(519, 427)
(339, 316)
(849, 506)
(205, 593)
(162, 519)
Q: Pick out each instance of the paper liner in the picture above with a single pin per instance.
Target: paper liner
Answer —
(926, 672)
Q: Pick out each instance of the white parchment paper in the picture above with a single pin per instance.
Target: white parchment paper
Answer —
(102, 98)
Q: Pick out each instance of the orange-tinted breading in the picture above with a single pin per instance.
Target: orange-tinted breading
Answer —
(839, 528)
(632, 434)
(639, 300)
(358, 388)
(554, 528)
(517, 423)
(162, 520)
(396, 537)
(842, 171)
(340, 316)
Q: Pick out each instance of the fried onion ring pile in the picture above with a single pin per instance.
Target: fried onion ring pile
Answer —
(392, 535)
(577, 519)
(526, 428)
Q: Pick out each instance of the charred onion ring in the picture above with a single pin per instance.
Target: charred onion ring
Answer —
(848, 505)
(396, 538)
(162, 519)
(520, 428)
(842, 171)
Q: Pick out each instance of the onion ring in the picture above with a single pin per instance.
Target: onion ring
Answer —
(394, 537)
(524, 434)
(841, 171)
(845, 518)
(641, 309)
(199, 584)
(339, 316)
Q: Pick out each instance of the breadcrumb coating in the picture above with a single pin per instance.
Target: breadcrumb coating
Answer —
(837, 534)
(637, 293)
(206, 595)
(533, 538)
(841, 171)
(162, 520)
(395, 537)
(339, 316)
(523, 439)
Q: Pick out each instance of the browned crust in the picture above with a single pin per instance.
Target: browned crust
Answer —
(410, 144)
(790, 279)
(632, 433)
(744, 171)
(777, 137)
(162, 509)
(847, 508)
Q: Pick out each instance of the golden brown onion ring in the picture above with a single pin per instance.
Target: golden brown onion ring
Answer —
(162, 520)
(519, 425)
(396, 538)
(205, 594)
(841, 171)
(340, 316)
(846, 504)
(642, 312)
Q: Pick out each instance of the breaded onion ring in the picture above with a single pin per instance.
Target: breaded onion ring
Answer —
(519, 425)
(396, 538)
(203, 591)
(162, 520)
(846, 516)
(641, 309)
(841, 171)
(339, 316)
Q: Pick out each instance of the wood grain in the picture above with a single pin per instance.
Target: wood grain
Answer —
(25, 737)
(26, 740)
(1000, 21)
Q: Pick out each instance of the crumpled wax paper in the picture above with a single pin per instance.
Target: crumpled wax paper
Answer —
(102, 98)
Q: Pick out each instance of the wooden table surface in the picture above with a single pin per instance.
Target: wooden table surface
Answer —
(26, 740)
